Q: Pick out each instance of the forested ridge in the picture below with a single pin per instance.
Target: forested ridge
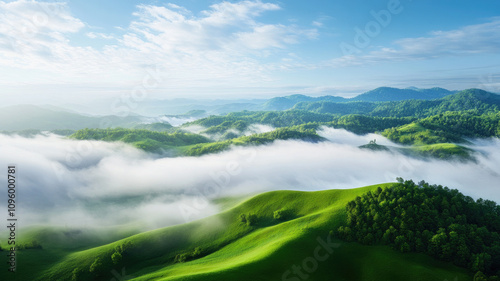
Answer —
(473, 99)
(434, 128)
(144, 139)
(430, 219)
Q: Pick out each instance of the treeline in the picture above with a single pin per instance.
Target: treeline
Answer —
(446, 127)
(429, 219)
(474, 99)
(302, 132)
(360, 124)
(240, 121)
(143, 139)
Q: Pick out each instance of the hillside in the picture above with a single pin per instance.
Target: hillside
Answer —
(472, 99)
(151, 141)
(288, 133)
(264, 246)
(395, 94)
(382, 94)
(26, 117)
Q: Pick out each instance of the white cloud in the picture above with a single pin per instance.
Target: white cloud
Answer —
(223, 44)
(94, 35)
(469, 40)
(87, 182)
(317, 24)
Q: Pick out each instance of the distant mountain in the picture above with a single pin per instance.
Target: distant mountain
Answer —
(395, 94)
(473, 96)
(287, 102)
(472, 99)
(25, 117)
(377, 95)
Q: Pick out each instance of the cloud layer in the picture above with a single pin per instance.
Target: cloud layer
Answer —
(81, 183)
(225, 41)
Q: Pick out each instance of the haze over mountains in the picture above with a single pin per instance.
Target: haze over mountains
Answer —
(24, 117)
(175, 169)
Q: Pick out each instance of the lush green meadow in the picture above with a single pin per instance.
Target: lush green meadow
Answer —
(225, 247)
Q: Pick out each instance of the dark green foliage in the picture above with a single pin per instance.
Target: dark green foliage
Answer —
(251, 219)
(431, 219)
(29, 245)
(297, 132)
(473, 99)
(282, 214)
(116, 257)
(243, 218)
(447, 127)
(96, 266)
(248, 219)
(360, 124)
(76, 274)
(241, 120)
(479, 276)
(195, 254)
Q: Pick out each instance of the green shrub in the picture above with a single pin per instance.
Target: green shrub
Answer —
(251, 219)
(96, 266)
(282, 214)
(116, 258)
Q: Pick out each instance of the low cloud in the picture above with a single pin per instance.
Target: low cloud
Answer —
(80, 183)
(174, 121)
(258, 129)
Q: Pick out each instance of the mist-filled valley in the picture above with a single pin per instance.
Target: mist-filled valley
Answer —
(82, 183)
(90, 193)
(249, 140)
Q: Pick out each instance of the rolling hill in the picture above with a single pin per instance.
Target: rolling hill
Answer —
(262, 246)
(395, 94)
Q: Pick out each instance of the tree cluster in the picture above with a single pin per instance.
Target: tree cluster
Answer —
(429, 219)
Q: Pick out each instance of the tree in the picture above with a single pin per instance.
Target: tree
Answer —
(481, 262)
(251, 219)
(243, 218)
(116, 258)
(479, 276)
(75, 276)
(96, 266)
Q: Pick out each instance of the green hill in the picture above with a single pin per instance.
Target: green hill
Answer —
(395, 94)
(151, 141)
(282, 230)
(473, 99)
(157, 127)
(288, 133)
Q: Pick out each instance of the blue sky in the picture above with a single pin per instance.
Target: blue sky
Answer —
(75, 51)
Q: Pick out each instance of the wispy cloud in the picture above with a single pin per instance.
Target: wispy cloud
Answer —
(225, 41)
(469, 40)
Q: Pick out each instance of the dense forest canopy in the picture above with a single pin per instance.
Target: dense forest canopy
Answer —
(429, 219)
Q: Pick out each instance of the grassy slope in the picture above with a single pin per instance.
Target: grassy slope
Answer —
(443, 151)
(57, 243)
(234, 251)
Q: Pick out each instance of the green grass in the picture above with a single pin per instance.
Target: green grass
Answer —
(442, 151)
(231, 250)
